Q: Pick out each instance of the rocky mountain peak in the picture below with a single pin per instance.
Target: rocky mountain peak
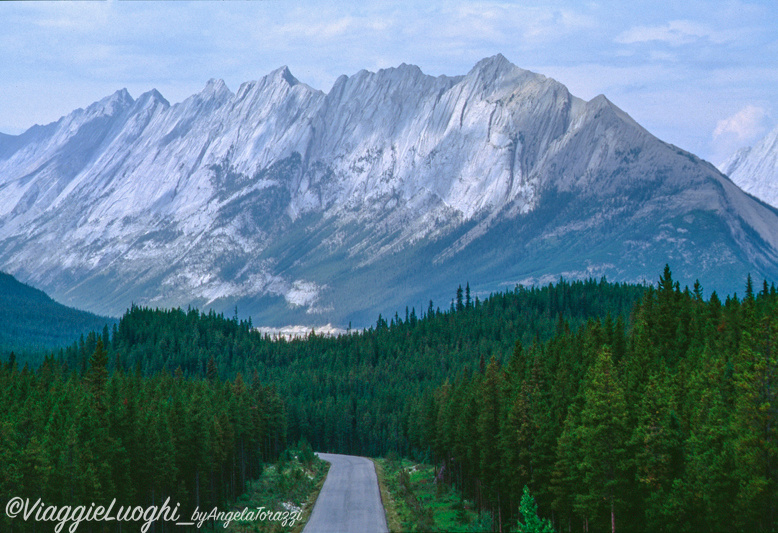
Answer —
(497, 72)
(755, 169)
(282, 74)
(216, 88)
(117, 102)
(291, 202)
(150, 99)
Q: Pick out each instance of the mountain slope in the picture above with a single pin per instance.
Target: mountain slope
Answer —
(298, 205)
(755, 170)
(30, 320)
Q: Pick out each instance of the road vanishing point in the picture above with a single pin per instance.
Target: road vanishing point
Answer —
(349, 501)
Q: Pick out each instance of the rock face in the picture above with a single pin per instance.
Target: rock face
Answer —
(755, 169)
(388, 191)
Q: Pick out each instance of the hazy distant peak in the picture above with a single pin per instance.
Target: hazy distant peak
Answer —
(735, 160)
(216, 87)
(405, 69)
(283, 74)
(122, 95)
(755, 169)
(151, 98)
(119, 99)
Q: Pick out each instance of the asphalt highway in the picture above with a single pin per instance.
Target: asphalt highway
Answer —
(349, 501)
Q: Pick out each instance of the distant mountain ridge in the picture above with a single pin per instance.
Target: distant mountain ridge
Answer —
(31, 321)
(755, 169)
(304, 207)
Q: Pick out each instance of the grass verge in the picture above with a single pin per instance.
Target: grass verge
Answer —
(387, 499)
(312, 497)
(286, 492)
(415, 502)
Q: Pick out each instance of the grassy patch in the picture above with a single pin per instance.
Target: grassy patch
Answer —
(414, 501)
(289, 486)
(387, 498)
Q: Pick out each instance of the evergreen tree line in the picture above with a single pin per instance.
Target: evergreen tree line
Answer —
(352, 394)
(73, 438)
(670, 424)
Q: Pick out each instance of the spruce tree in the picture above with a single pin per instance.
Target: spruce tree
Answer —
(530, 522)
(657, 447)
(603, 435)
(755, 425)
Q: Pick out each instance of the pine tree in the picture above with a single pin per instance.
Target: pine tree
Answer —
(603, 436)
(516, 443)
(530, 522)
(489, 429)
(567, 479)
(97, 376)
(212, 373)
(755, 425)
(710, 486)
(664, 316)
(657, 445)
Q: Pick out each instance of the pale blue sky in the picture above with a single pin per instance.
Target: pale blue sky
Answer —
(702, 75)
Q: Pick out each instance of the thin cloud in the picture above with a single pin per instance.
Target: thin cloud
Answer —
(674, 33)
(324, 30)
(739, 130)
(506, 22)
(746, 125)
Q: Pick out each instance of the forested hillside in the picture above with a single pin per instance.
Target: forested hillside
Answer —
(352, 394)
(651, 409)
(71, 440)
(31, 322)
(671, 425)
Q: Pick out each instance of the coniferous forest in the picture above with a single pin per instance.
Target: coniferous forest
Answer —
(669, 425)
(353, 394)
(626, 407)
(75, 439)
(31, 322)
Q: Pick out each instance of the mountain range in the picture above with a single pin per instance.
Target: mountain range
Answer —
(755, 169)
(298, 206)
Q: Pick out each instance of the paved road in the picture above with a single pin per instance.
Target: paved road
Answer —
(349, 501)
